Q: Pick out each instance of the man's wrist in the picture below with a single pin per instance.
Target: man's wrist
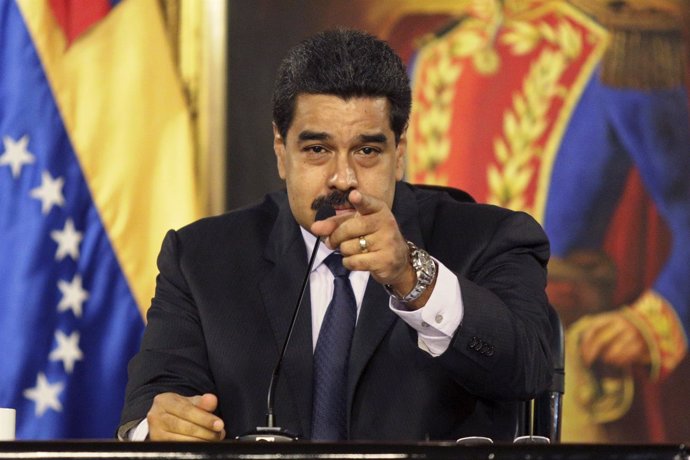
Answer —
(424, 270)
(438, 318)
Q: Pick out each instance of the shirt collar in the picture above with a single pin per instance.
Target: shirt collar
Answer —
(309, 242)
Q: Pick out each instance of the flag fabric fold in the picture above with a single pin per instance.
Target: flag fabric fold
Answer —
(96, 162)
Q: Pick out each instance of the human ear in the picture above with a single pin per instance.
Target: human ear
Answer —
(279, 150)
(400, 151)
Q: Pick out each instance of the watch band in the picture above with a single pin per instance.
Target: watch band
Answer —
(425, 269)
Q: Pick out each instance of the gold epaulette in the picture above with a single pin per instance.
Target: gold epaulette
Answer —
(647, 47)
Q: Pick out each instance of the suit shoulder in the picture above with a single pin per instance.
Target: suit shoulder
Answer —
(458, 206)
(253, 220)
(463, 227)
(485, 219)
(455, 206)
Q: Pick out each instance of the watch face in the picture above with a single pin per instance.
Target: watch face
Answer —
(424, 265)
(425, 269)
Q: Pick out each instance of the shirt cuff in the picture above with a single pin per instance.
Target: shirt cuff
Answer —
(140, 432)
(437, 321)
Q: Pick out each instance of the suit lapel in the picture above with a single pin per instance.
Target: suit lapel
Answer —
(286, 254)
(375, 317)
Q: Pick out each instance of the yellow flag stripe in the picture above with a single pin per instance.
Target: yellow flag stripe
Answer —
(123, 108)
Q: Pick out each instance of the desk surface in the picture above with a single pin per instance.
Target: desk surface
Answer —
(312, 450)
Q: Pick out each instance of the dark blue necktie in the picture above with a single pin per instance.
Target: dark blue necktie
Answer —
(329, 411)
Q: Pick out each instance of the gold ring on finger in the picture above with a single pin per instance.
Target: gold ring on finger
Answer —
(363, 246)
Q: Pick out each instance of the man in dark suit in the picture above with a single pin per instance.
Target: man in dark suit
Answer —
(451, 315)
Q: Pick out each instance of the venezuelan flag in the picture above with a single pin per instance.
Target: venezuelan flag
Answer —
(96, 162)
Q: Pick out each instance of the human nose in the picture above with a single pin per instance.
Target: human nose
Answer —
(343, 176)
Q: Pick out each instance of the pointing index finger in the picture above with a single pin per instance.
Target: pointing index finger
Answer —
(364, 204)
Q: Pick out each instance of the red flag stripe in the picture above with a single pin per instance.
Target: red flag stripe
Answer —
(77, 16)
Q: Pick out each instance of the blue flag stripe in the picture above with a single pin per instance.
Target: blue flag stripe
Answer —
(68, 325)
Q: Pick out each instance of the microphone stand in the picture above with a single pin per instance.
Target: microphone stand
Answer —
(271, 432)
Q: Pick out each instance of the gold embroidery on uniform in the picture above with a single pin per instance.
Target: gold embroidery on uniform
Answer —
(431, 117)
(441, 60)
(526, 121)
(434, 88)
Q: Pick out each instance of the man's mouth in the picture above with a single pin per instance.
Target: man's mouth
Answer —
(343, 208)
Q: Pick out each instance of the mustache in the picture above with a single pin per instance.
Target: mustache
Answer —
(333, 199)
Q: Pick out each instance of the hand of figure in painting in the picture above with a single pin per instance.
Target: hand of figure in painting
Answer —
(611, 339)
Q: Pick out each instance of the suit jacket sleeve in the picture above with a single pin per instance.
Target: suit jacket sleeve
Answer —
(173, 353)
(500, 351)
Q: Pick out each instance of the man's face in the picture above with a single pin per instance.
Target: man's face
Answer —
(338, 145)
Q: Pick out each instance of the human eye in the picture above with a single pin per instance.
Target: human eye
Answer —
(368, 151)
(315, 153)
(315, 150)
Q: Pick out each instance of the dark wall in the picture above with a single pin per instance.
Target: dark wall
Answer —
(260, 33)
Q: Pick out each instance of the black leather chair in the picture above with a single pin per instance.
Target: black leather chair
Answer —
(542, 415)
(548, 406)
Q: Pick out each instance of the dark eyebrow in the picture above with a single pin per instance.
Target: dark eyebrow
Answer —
(313, 136)
(379, 138)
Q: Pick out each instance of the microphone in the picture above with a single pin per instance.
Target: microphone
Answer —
(271, 432)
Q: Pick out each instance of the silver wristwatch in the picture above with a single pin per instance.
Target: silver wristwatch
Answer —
(425, 268)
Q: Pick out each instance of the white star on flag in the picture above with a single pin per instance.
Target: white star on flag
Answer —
(67, 350)
(45, 395)
(50, 192)
(73, 296)
(16, 155)
(68, 240)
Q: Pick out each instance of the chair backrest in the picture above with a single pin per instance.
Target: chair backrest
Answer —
(541, 416)
(548, 406)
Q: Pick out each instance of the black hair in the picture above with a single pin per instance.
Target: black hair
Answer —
(345, 63)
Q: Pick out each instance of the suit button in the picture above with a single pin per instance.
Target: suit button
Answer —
(490, 352)
(478, 346)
